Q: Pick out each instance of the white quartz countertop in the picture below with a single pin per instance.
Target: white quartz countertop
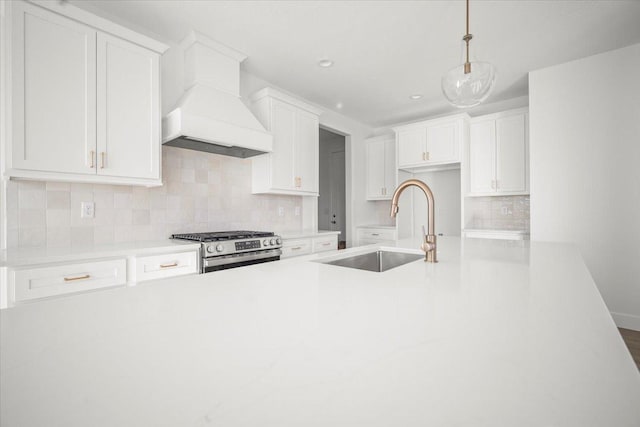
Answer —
(498, 333)
(304, 234)
(30, 256)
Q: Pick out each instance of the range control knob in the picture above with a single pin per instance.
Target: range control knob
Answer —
(219, 248)
(210, 249)
(279, 241)
(272, 241)
(265, 242)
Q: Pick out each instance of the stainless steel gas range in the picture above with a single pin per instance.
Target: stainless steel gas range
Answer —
(229, 249)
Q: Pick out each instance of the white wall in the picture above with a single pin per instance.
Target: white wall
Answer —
(585, 169)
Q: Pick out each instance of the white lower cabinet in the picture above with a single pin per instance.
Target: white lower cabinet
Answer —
(323, 244)
(32, 282)
(165, 265)
(375, 235)
(496, 234)
(40, 282)
(308, 245)
(295, 247)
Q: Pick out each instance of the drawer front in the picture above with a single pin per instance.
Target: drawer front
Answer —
(376, 234)
(493, 235)
(34, 283)
(323, 244)
(166, 265)
(365, 241)
(297, 247)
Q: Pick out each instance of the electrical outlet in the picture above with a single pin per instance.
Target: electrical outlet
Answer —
(297, 211)
(87, 210)
(280, 211)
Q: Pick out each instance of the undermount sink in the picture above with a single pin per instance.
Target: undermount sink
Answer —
(377, 261)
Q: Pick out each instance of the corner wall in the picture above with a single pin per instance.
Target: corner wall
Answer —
(585, 169)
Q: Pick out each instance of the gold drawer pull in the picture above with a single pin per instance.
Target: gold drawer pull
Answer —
(326, 244)
(374, 234)
(174, 264)
(71, 279)
(102, 154)
(91, 154)
(296, 248)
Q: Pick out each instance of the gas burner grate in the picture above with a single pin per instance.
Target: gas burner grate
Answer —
(221, 235)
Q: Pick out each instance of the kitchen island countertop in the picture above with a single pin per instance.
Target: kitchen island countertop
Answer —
(498, 333)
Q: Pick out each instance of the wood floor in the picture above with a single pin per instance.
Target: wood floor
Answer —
(632, 339)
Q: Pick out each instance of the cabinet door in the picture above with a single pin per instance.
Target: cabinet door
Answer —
(283, 124)
(306, 152)
(482, 155)
(375, 169)
(128, 137)
(511, 154)
(54, 82)
(411, 146)
(442, 142)
(389, 167)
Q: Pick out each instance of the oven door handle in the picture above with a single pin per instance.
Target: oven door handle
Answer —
(230, 259)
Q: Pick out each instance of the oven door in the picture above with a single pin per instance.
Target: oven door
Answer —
(224, 262)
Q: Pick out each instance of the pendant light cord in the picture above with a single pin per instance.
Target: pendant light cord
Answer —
(467, 37)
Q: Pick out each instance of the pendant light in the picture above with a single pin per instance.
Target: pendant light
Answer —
(470, 83)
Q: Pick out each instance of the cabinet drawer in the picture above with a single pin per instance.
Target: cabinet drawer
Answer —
(34, 283)
(322, 244)
(296, 247)
(166, 265)
(376, 234)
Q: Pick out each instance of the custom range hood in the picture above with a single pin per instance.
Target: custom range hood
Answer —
(210, 115)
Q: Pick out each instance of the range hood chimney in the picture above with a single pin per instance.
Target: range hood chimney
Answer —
(210, 116)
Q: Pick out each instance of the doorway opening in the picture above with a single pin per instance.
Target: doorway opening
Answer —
(332, 199)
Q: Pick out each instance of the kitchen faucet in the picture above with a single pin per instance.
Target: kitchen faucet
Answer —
(429, 244)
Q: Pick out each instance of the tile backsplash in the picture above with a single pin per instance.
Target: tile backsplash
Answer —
(498, 213)
(200, 192)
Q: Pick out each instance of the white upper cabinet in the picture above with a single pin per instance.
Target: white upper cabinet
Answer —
(499, 154)
(54, 65)
(292, 167)
(128, 109)
(381, 167)
(85, 98)
(431, 144)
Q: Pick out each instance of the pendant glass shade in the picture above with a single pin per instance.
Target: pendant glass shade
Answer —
(468, 90)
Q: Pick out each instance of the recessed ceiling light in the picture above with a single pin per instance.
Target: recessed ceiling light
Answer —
(339, 105)
(325, 63)
(416, 96)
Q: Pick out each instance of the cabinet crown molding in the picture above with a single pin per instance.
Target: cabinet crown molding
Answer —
(66, 9)
(431, 122)
(289, 99)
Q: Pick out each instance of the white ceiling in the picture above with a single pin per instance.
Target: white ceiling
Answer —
(385, 51)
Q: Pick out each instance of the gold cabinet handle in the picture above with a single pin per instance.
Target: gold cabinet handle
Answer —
(173, 264)
(102, 154)
(374, 234)
(428, 157)
(71, 279)
(326, 244)
(296, 248)
(424, 156)
(91, 154)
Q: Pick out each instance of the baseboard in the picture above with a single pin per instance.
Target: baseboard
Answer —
(626, 321)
